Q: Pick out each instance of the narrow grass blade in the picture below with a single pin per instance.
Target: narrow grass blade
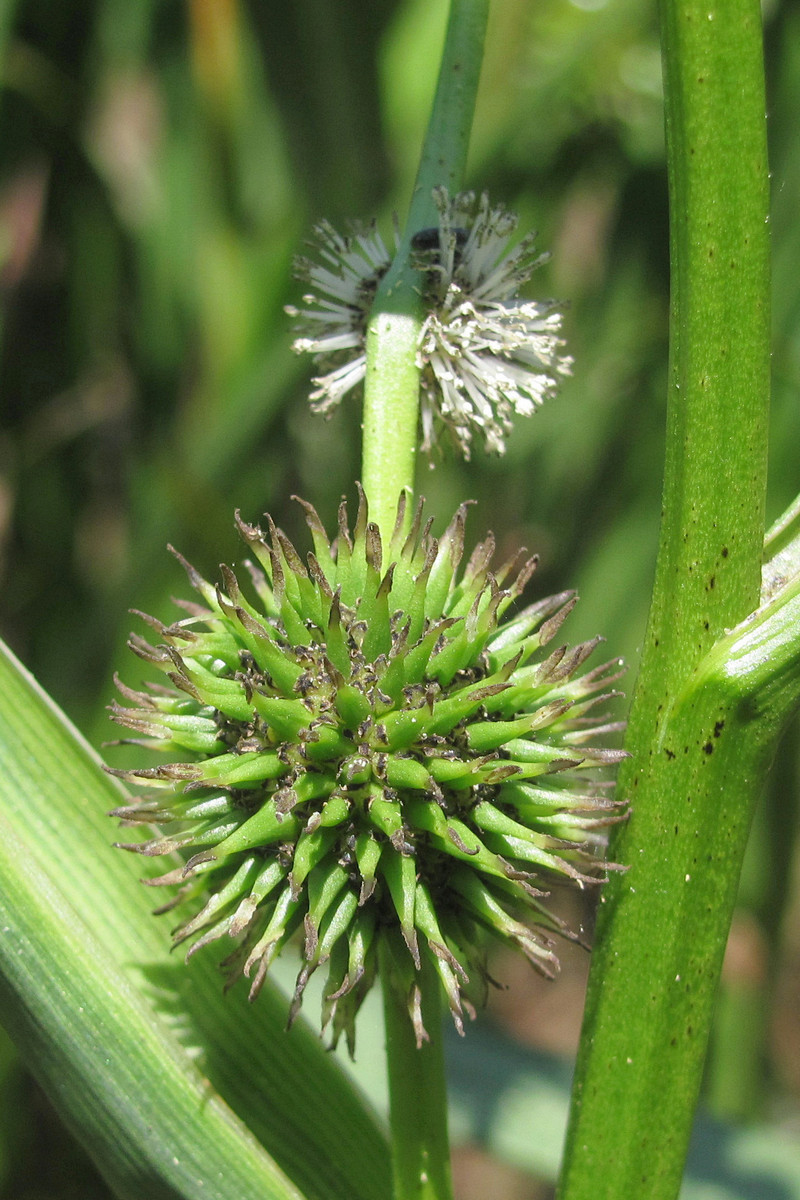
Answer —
(125, 1085)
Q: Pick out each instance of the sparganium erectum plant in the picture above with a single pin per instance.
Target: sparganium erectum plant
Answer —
(379, 747)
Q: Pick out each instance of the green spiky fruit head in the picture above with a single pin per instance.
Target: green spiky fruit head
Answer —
(375, 752)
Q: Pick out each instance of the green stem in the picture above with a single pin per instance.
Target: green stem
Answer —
(661, 939)
(417, 1090)
(391, 385)
(698, 755)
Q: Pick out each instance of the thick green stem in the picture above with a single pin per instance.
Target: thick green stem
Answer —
(699, 755)
(417, 1091)
(391, 385)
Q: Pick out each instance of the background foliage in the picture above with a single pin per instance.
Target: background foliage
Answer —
(160, 164)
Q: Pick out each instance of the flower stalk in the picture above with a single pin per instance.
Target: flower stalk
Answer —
(417, 1091)
(392, 383)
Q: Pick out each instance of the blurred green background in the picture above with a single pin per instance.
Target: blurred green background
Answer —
(160, 165)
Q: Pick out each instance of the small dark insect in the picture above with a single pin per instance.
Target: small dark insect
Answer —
(434, 255)
(428, 239)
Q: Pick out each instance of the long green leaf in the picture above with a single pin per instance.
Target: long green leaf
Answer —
(94, 922)
(123, 1081)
